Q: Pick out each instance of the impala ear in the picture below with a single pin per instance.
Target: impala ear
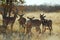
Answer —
(28, 17)
(42, 14)
(21, 15)
(33, 17)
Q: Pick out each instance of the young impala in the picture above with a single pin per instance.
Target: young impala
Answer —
(22, 21)
(33, 23)
(46, 23)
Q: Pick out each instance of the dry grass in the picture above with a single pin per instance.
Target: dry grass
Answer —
(55, 17)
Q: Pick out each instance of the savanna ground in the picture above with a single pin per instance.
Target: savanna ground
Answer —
(54, 16)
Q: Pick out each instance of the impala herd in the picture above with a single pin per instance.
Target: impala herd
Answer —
(35, 23)
(28, 24)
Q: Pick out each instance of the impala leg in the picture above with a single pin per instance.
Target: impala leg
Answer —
(42, 29)
(50, 30)
(12, 27)
(24, 28)
(38, 29)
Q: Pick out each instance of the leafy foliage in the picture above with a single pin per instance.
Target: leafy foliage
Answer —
(22, 1)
